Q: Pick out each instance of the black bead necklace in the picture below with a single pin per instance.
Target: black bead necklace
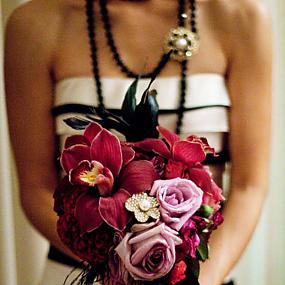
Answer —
(114, 50)
(129, 73)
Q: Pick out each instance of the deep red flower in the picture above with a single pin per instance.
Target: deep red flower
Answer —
(65, 197)
(202, 177)
(175, 169)
(205, 226)
(188, 151)
(91, 247)
(159, 164)
(191, 239)
(98, 161)
(178, 273)
(93, 174)
(217, 220)
(93, 158)
(184, 159)
(203, 141)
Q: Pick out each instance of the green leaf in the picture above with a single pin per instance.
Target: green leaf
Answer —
(203, 248)
(194, 266)
(207, 211)
(129, 103)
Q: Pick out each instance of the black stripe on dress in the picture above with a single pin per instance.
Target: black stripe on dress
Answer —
(222, 157)
(89, 109)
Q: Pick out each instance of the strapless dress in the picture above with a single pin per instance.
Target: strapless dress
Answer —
(206, 114)
(206, 106)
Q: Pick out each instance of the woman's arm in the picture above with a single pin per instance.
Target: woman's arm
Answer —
(31, 37)
(249, 83)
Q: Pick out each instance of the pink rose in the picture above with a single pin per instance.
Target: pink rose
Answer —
(178, 198)
(148, 252)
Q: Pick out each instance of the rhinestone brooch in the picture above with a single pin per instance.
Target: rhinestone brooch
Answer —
(182, 42)
(143, 207)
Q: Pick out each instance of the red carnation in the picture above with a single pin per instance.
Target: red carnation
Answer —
(178, 272)
(91, 247)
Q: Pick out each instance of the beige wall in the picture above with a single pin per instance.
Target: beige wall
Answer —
(8, 6)
(276, 252)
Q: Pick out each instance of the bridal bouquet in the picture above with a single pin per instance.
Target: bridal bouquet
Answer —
(140, 210)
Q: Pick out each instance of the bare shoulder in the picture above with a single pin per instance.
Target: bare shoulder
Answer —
(243, 26)
(35, 25)
(75, 4)
(44, 14)
(243, 16)
(247, 7)
(39, 17)
(35, 12)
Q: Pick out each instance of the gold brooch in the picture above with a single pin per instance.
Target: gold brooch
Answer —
(143, 206)
(182, 42)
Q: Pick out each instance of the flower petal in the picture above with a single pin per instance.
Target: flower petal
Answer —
(113, 211)
(92, 173)
(87, 213)
(83, 174)
(76, 139)
(201, 177)
(92, 131)
(105, 182)
(170, 137)
(155, 145)
(106, 148)
(70, 157)
(212, 192)
(203, 141)
(188, 152)
(128, 154)
(138, 176)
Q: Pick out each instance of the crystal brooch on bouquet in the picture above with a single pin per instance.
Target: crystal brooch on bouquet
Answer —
(143, 207)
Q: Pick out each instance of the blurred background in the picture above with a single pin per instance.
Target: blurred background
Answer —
(22, 249)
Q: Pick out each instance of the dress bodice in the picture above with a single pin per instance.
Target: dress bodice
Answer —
(206, 106)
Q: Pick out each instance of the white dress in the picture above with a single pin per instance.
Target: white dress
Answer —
(207, 105)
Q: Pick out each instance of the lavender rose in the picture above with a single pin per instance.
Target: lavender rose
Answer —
(178, 198)
(118, 273)
(148, 252)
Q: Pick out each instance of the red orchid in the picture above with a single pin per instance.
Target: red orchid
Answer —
(204, 143)
(181, 154)
(98, 160)
(184, 159)
(202, 177)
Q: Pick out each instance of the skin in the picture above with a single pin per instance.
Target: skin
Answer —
(235, 41)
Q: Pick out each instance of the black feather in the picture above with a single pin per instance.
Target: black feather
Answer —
(77, 123)
(146, 118)
(129, 104)
(135, 123)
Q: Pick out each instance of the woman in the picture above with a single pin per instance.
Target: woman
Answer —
(47, 63)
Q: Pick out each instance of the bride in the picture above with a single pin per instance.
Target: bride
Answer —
(226, 97)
